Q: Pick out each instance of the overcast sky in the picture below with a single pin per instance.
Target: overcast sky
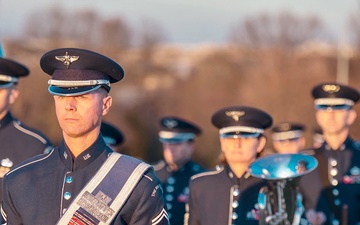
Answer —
(183, 21)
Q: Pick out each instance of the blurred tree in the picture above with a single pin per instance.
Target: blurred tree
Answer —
(354, 28)
(283, 30)
(115, 34)
(84, 26)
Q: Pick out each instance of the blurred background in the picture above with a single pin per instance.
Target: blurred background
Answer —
(189, 58)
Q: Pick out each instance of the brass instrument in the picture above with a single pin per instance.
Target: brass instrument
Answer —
(281, 204)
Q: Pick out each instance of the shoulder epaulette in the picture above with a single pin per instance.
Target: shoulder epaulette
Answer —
(158, 166)
(208, 173)
(39, 158)
(18, 125)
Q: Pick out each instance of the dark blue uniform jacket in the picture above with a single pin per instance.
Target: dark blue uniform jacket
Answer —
(176, 188)
(40, 190)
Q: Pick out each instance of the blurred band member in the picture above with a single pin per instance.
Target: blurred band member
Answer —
(112, 135)
(229, 194)
(335, 183)
(18, 141)
(288, 137)
(178, 137)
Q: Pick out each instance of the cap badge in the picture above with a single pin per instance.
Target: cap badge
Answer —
(331, 88)
(235, 114)
(67, 59)
(170, 123)
(284, 127)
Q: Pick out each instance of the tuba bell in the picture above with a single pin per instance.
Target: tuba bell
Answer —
(281, 202)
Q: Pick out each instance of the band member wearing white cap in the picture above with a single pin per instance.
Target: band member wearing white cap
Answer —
(178, 137)
(229, 194)
(336, 179)
(288, 137)
(82, 181)
(18, 141)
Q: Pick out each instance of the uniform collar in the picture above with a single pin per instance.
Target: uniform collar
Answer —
(232, 175)
(186, 166)
(88, 156)
(6, 120)
(348, 144)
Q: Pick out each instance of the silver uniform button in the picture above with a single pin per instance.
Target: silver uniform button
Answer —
(335, 222)
(170, 188)
(333, 172)
(333, 162)
(169, 198)
(335, 192)
(235, 204)
(64, 210)
(234, 216)
(337, 201)
(236, 192)
(334, 182)
(171, 180)
(67, 195)
(168, 206)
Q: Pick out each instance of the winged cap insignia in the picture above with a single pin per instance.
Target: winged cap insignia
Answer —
(284, 127)
(331, 88)
(67, 59)
(235, 114)
(170, 123)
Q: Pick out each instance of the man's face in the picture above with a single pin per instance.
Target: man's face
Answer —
(289, 146)
(241, 150)
(178, 153)
(7, 97)
(79, 115)
(334, 121)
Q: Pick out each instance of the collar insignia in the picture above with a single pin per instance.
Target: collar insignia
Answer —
(331, 88)
(6, 163)
(235, 114)
(67, 59)
(170, 123)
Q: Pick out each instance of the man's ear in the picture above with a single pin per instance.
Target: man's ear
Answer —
(352, 116)
(13, 95)
(107, 102)
(261, 146)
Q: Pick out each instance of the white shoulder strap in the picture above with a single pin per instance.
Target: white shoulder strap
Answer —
(105, 194)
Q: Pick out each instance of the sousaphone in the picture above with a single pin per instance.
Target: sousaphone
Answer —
(280, 203)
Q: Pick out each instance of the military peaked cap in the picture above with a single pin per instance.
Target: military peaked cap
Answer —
(111, 134)
(334, 95)
(10, 72)
(79, 71)
(176, 130)
(241, 121)
(287, 131)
